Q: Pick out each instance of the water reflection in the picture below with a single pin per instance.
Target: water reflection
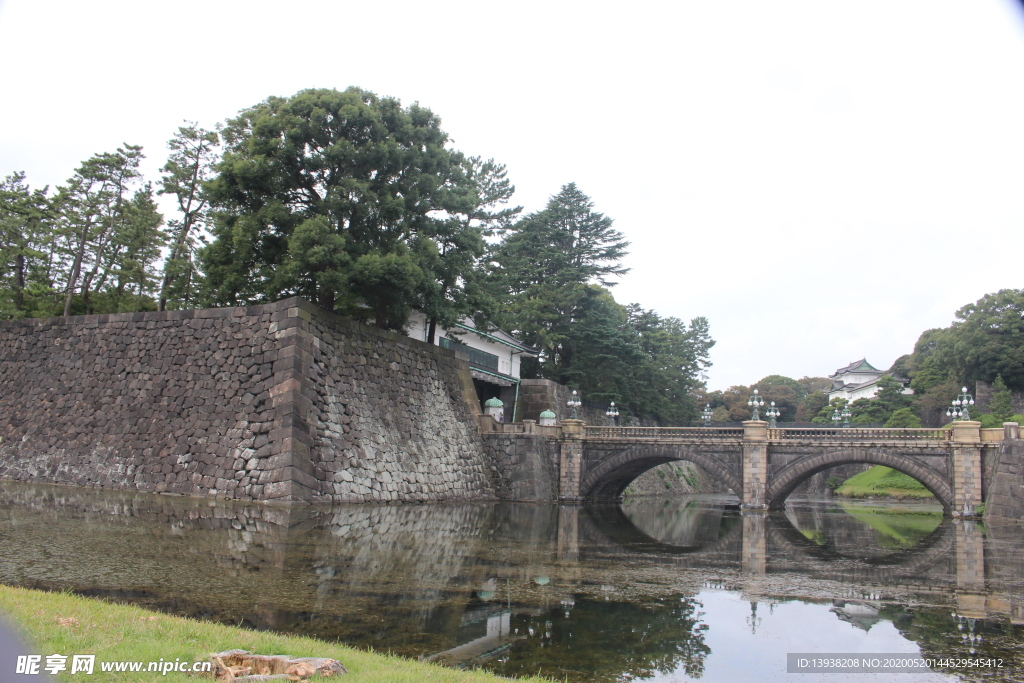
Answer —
(590, 593)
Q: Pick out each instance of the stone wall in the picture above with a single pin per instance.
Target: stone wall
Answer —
(672, 479)
(1004, 497)
(390, 417)
(983, 395)
(281, 401)
(537, 395)
(524, 466)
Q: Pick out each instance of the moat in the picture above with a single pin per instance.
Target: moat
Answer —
(655, 589)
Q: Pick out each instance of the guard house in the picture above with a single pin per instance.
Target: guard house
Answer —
(857, 380)
(494, 357)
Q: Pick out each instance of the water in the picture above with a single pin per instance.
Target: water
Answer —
(665, 590)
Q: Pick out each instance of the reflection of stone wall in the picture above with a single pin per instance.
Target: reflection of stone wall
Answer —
(293, 568)
(277, 401)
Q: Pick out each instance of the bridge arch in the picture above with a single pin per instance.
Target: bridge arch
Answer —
(608, 480)
(793, 473)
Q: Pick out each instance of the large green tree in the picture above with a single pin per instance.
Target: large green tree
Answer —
(541, 271)
(988, 339)
(786, 392)
(350, 199)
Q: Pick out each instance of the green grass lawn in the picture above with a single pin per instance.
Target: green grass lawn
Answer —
(883, 481)
(68, 624)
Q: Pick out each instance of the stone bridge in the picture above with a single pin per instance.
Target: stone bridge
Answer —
(763, 465)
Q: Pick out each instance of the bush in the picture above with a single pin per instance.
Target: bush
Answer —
(904, 417)
(989, 421)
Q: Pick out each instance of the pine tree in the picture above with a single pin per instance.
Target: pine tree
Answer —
(1000, 406)
(542, 270)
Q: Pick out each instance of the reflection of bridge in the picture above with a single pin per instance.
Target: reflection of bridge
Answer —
(763, 466)
(950, 560)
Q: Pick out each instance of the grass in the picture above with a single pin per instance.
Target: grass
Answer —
(68, 624)
(883, 481)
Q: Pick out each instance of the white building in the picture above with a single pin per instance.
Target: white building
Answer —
(857, 380)
(495, 357)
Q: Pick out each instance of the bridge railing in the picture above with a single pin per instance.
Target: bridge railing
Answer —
(777, 434)
(855, 434)
(663, 432)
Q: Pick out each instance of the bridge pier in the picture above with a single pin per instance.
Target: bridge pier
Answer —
(966, 467)
(754, 495)
(570, 471)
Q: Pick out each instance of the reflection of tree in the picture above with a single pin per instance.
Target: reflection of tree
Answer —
(938, 636)
(609, 641)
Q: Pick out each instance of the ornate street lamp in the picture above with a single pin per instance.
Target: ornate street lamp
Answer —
(836, 417)
(707, 415)
(772, 413)
(574, 404)
(846, 415)
(755, 402)
(959, 409)
(612, 413)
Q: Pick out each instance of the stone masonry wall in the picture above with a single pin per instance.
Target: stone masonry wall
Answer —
(389, 416)
(524, 466)
(281, 401)
(1004, 497)
(537, 395)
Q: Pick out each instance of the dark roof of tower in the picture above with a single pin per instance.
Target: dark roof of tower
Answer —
(856, 366)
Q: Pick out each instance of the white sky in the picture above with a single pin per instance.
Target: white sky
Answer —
(822, 180)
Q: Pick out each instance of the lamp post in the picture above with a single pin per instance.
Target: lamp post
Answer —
(755, 402)
(574, 404)
(836, 417)
(612, 413)
(707, 415)
(772, 413)
(959, 409)
(846, 415)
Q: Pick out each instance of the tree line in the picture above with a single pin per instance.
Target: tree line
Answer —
(984, 344)
(361, 205)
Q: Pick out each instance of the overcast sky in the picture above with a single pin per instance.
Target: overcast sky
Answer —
(822, 180)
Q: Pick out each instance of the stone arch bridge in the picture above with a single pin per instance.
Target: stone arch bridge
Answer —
(763, 465)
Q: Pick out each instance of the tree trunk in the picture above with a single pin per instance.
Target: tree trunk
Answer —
(325, 298)
(76, 269)
(175, 255)
(19, 282)
(431, 330)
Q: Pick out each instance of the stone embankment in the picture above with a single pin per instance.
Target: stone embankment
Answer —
(672, 479)
(1004, 474)
(281, 401)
